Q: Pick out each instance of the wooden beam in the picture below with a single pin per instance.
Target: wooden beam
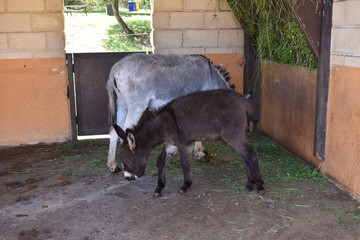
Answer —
(323, 76)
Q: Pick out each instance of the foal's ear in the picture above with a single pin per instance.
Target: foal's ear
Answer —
(130, 138)
(120, 132)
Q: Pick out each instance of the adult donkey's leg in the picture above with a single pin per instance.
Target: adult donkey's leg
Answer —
(120, 119)
(111, 163)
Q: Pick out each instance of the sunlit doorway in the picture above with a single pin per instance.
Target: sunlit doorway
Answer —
(96, 29)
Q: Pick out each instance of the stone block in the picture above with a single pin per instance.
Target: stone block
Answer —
(2, 5)
(339, 13)
(3, 41)
(26, 41)
(188, 51)
(353, 13)
(200, 5)
(200, 38)
(352, 61)
(48, 22)
(161, 50)
(224, 6)
(221, 20)
(54, 5)
(220, 50)
(186, 20)
(337, 59)
(346, 41)
(55, 40)
(15, 23)
(230, 38)
(166, 5)
(161, 20)
(49, 53)
(25, 5)
(11, 54)
(167, 38)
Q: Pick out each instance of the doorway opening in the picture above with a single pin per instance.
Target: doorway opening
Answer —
(95, 40)
(92, 26)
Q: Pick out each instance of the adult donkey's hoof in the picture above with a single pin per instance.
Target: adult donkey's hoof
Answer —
(115, 170)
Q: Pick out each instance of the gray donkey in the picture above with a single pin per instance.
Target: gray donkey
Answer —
(197, 116)
(140, 81)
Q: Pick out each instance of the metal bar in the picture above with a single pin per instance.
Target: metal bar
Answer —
(71, 95)
(323, 76)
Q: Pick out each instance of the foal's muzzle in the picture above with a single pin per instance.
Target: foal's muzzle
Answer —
(128, 176)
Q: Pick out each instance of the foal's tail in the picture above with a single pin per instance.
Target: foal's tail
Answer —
(111, 88)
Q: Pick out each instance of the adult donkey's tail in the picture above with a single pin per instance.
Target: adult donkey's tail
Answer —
(111, 88)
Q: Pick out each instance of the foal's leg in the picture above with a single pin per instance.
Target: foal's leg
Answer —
(248, 153)
(164, 157)
(185, 160)
(252, 168)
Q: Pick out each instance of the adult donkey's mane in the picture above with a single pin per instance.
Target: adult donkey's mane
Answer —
(223, 71)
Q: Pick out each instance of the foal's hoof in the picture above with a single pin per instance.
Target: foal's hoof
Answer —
(182, 191)
(156, 195)
(115, 170)
(249, 188)
(261, 192)
(205, 159)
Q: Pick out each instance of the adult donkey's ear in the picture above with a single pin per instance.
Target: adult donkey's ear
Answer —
(130, 138)
(120, 132)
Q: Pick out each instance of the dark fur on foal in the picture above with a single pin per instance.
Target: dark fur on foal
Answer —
(198, 116)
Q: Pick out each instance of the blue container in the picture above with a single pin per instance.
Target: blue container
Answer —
(132, 6)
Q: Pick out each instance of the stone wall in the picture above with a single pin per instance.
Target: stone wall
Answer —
(195, 27)
(33, 81)
(346, 33)
(31, 29)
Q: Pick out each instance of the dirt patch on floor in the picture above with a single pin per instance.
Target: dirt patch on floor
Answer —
(65, 191)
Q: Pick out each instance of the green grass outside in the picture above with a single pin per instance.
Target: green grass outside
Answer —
(110, 36)
(139, 41)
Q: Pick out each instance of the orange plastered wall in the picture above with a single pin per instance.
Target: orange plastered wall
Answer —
(33, 101)
(342, 161)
